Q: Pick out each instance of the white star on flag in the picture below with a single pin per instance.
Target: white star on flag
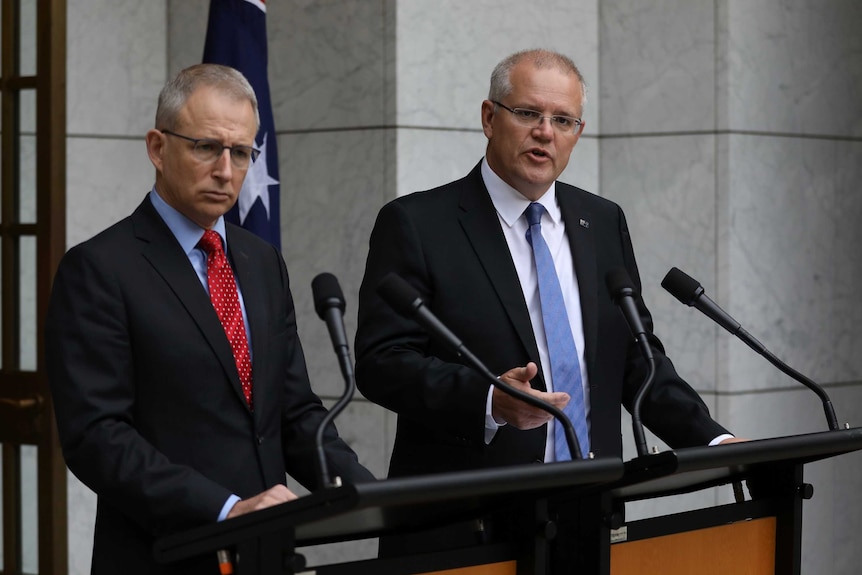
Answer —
(256, 185)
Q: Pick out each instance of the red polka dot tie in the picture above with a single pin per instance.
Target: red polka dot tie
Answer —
(225, 300)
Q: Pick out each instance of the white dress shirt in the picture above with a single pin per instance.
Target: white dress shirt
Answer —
(510, 206)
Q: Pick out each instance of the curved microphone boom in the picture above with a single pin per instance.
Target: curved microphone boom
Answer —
(405, 299)
(329, 305)
(689, 291)
(622, 291)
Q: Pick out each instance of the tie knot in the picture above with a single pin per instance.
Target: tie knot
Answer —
(211, 242)
(534, 213)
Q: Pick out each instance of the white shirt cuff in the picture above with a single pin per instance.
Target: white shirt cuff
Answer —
(491, 424)
(721, 438)
(228, 505)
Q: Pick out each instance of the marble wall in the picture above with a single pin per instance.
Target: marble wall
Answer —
(729, 131)
(787, 248)
(730, 134)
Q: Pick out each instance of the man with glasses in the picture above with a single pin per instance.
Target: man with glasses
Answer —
(514, 263)
(179, 382)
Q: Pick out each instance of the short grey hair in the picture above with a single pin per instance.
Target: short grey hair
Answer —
(177, 91)
(501, 83)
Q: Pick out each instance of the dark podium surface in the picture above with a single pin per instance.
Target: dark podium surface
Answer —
(372, 509)
(771, 467)
(695, 468)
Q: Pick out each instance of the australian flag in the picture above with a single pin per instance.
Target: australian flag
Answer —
(236, 37)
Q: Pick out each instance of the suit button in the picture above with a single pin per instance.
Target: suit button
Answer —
(259, 439)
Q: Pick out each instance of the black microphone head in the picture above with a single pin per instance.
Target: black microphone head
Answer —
(619, 283)
(681, 286)
(399, 294)
(327, 294)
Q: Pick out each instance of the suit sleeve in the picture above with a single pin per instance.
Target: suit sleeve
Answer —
(90, 371)
(398, 365)
(672, 409)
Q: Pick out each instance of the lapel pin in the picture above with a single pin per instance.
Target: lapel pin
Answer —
(585, 223)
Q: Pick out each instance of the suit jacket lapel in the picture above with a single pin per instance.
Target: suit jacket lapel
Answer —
(479, 221)
(254, 310)
(160, 248)
(583, 248)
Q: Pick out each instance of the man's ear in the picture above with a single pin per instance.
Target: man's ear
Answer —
(579, 132)
(487, 116)
(156, 148)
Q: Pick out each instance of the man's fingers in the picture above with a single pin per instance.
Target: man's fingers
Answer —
(558, 398)
(272, 496)
(520, 376)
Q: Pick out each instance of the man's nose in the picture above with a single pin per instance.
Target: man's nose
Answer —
(223, 164)
(546, 129)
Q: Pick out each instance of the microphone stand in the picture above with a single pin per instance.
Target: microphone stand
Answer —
(828, 409)
(329, 305)
(689, 291)
(622, 291)
(637, 425)
(349, 388)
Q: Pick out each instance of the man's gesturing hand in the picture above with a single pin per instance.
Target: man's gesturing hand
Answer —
(517, 413)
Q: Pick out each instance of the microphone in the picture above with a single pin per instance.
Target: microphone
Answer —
(405, 300)
(689, 291)
(329, 305)
(622, 291)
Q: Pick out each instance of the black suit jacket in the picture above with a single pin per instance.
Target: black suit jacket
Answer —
(448, 243)
(147, 395)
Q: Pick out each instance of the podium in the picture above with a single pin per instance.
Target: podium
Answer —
(758, 536)
(265, 540)
(576, 510)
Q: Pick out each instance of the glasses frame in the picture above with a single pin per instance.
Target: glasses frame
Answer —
(577, 122)
(253, 153)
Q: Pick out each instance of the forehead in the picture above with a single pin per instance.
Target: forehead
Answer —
(209, 107)
(550, 87)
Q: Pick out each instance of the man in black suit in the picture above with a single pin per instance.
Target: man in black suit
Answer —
(463, 247)
(153, 412)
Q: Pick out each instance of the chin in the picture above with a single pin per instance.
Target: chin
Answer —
(544, 182)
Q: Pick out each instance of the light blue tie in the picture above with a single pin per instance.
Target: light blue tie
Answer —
(565, 368)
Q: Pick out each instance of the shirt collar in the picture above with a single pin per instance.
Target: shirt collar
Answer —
(509, 202)
(187, 232)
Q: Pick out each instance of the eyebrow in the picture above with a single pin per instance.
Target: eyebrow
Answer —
(538, 109)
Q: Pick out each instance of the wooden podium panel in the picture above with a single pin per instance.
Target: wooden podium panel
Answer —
(502, 568)
(742, 548)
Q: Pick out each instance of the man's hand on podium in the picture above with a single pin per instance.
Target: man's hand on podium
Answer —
(272, 496)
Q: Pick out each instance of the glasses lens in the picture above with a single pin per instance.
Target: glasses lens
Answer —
(527, 117)
(563, 123)
(208, 150)
(240, 156)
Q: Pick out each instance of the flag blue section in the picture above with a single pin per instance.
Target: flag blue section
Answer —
(236, 37)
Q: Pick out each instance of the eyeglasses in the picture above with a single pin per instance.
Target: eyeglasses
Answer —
(207, 150)
(527, 117)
